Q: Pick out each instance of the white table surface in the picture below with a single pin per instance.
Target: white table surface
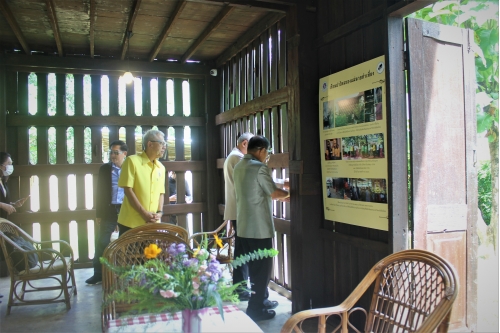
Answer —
(235, 320)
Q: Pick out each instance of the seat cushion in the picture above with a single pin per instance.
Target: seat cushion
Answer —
(55, 266)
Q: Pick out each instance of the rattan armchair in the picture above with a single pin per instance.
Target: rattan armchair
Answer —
(160, 227)
(128, 250)
(414, 291)
(226, 233)
(50, 265)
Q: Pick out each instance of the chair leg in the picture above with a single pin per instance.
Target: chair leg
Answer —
(73, 280)
(11, 297)
(64, 285)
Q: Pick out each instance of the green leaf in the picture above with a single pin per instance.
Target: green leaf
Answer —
(484, 122)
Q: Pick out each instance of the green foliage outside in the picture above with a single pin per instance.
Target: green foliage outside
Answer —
(484, 189)
(482, 18)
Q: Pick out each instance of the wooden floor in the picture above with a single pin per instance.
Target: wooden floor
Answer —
(85, 314)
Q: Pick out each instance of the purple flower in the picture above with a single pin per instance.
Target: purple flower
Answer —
(191, 262)
(181, 248)
(172, 249)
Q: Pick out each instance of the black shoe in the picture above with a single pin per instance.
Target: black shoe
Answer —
(244, 296)
(258, 315)
(94, 280)
(269, 305)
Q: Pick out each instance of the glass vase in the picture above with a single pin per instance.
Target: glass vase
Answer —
(192, 319)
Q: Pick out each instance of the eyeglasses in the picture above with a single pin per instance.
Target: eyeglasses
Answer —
(269, 153)
(115, 152)
(163, 143)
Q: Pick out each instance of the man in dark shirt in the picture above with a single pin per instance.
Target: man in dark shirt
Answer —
(172, 189)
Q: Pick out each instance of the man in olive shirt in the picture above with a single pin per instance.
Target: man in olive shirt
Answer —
(143, 180)
(255, 190)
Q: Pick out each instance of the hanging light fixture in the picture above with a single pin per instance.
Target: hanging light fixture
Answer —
(127, 76)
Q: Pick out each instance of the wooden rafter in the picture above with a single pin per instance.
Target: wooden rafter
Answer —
(276, 6)
(51, 10)
(4, 8)
(207, 32)
(175, 15)
(92, 26)
(130, 26)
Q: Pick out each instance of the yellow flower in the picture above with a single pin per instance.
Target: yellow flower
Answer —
(218, 241)
(196, 251)
(152, 251)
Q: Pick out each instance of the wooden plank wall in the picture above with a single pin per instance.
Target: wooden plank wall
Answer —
(254, 99)
(18, 122)
(333, 257)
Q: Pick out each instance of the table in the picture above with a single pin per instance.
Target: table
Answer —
(235, 320)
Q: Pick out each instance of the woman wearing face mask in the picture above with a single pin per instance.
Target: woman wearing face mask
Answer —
(6, 168)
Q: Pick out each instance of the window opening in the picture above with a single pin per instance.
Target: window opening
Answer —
(138, 96)
(105, 95)
(51, 94)
(154, 96)
(70, 95)
(32, 94)
(170, 97)
(52, 145)
(87, 95)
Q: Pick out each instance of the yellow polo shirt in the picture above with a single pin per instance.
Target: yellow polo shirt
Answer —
(147, 179)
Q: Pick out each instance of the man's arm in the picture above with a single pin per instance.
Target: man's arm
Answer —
(159, 213)
(280, 194)
(134, 202)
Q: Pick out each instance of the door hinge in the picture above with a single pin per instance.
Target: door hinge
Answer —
(405, 57)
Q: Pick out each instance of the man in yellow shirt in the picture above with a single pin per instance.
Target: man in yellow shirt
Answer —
(143, 181)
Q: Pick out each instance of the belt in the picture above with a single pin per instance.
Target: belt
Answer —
(116, 205)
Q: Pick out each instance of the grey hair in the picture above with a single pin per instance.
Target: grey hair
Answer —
(245, 136)
(151, 135)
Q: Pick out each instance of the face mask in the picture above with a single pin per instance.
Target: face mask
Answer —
(9, 169)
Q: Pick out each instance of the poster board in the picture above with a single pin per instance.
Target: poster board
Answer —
(353, 142)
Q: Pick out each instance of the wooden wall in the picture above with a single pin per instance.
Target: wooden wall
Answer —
(332, 257)
(88, 154)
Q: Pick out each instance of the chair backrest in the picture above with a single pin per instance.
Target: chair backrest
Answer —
(161, 227)
(414, 291)
(8, 246)
(128, 250)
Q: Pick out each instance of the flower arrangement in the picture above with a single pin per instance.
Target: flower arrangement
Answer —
(190, 280)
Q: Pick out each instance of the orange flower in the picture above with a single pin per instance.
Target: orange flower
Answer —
(152, 251)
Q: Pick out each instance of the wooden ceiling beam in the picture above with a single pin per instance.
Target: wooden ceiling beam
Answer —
(5, 9)
(130, 26)
(207, 32)
(166, 30)
(271, 6)
(92, 26)
(51, 10)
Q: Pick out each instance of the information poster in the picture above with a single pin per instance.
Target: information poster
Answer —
(353, 133)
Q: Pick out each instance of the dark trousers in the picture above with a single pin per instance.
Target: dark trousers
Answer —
(240, 273)
(106, 228)
(259, 270)
(122, 229)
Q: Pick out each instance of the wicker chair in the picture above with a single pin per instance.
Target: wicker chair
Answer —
(128, 250)
(226, 233)
(414, 291)
(161, 227)
(51, 263)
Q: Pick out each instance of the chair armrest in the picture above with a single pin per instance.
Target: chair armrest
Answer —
(65, 246)
(209, 233)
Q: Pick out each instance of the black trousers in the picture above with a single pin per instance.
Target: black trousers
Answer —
(122, 229)
(240, 273)
(259, 270)
(106, 228)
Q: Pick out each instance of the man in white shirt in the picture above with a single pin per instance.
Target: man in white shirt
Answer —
(240, 274)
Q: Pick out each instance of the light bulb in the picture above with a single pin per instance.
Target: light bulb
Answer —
(128, 77)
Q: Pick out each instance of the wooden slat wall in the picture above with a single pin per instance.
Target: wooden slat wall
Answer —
(247, 79)
(190, 158)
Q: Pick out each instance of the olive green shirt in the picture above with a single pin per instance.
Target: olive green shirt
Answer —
(253, 185)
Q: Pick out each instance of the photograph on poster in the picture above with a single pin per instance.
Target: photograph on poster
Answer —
(363, 107)
(332, 149)
(328, 115)
(357, 189)
(361, 147)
